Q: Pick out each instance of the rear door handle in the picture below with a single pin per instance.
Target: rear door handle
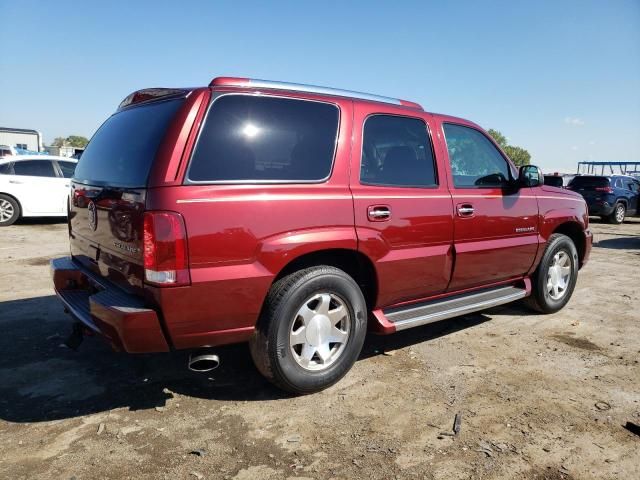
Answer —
(379, 213)
(17, 182)
(465, 210)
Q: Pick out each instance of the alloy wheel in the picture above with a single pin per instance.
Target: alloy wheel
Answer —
(6, 210)
(559, 275)
(320, 331)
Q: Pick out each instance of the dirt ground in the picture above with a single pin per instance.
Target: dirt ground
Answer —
(540, 396)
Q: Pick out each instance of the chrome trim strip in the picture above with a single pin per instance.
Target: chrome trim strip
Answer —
(301, 87)
(457, 311)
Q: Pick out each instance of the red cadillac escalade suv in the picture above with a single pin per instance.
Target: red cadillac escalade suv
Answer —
(296, 218)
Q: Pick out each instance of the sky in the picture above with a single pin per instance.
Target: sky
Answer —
(559, 78)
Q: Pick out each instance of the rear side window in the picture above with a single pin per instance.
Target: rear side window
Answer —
(475, 161)
(35, 168)
(396, 151)
(589, 182)
(257, 139)
(6, 169)
(123, 149)
(67, 168)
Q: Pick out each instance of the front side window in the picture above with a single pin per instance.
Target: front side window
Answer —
(257, 139)
(34, 168)
(396, 151)
(475, 161)
(67, 168)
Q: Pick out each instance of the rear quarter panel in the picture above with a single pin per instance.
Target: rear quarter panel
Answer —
(241, 236)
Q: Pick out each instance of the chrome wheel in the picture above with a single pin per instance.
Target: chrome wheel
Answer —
(320, 331)
(620, 213)
(6, 210)
(559, 275)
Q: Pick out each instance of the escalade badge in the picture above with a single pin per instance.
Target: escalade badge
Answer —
(92, 214)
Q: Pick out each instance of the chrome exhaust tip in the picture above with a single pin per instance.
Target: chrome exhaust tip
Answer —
(203, 362)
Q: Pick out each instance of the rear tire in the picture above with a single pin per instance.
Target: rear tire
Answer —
(618, 214)
(9, 210)
(555, 278)
(311, 330)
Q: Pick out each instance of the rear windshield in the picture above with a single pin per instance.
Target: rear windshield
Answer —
(589, 182)
(265, 139)
(121, 152)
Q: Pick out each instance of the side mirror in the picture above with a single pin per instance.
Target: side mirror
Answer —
(530, 176)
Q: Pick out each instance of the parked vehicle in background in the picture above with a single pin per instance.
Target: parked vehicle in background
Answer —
(34, 186)
(554, 181)
(610, 197)
(295, 218)
(7, 151)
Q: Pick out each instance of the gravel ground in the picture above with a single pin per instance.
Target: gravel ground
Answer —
(539, 396)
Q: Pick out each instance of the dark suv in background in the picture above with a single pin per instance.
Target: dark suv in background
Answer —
(610, 197)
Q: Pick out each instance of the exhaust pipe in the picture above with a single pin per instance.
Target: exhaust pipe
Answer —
(203, 362)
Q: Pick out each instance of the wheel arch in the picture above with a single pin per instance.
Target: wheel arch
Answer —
(354, 263)
(574, 231)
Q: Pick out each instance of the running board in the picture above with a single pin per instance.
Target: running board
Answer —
(427, 312)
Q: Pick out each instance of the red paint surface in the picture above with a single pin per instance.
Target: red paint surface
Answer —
(240, 237)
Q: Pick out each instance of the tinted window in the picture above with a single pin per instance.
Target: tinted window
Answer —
(67, 168)
(123, 149)
(396, 151)
(6, 169)
(261, 138)
(589, 182)
(34, 168)
(553, 180)
(475, 161)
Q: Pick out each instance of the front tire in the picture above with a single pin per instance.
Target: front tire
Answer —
(618, 214)
(555, 278)
(9, 210)
(311, 330)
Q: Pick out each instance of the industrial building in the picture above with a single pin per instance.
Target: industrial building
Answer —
(21, 138)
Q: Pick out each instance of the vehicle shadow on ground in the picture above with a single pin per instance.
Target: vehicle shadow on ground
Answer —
(622, 243)
(41, 221)
(41, 380)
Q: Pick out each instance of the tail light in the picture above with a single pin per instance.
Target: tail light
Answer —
(604, 189)
(166, 260)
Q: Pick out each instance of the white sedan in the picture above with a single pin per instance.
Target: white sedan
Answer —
(34, 186)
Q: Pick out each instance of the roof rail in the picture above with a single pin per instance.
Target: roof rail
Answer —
(300, 87)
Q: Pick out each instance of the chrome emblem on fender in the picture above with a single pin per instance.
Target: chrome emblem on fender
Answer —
(92, 214)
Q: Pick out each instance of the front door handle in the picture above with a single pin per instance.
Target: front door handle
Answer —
(379, 213)
(17, 182)
(465, 210)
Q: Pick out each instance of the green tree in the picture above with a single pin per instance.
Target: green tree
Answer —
(518, 155)
(498, 137)
(59, 142)
(77, 141)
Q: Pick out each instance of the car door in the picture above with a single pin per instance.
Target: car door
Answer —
(496, 225)
(403, 212)
(632, 186)
(37, 186)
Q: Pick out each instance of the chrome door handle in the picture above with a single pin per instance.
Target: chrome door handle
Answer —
(465, 210)
(378, 213)
(16, 182)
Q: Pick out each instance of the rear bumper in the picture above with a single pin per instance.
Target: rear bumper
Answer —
(600, 208)
(120, 317)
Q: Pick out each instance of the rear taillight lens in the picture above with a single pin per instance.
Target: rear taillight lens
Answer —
(604, 189)
(166, 260)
